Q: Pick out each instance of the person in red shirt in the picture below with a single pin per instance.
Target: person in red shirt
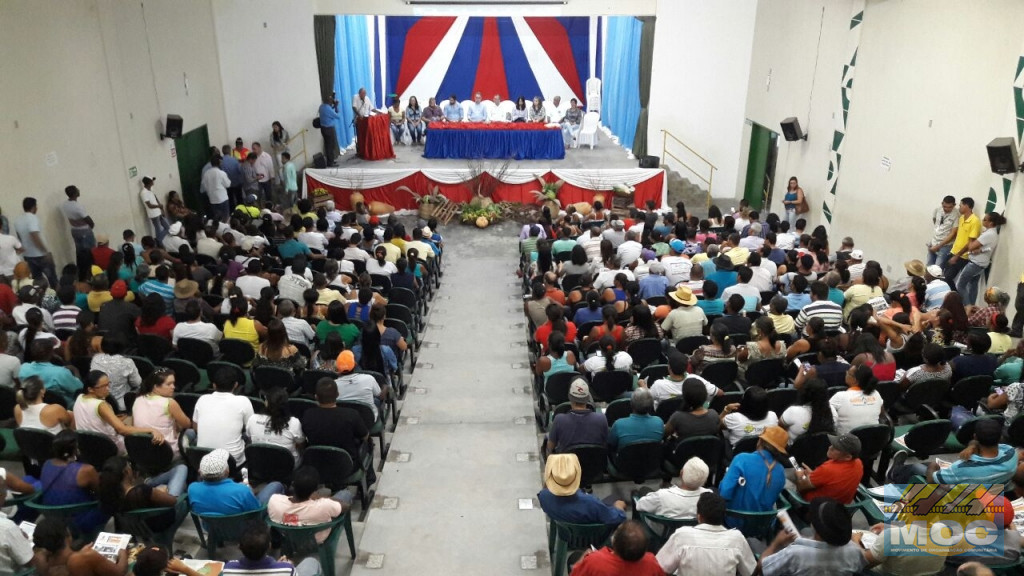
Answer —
(838, 477)
(102, 252)
(628, 555)
(551, 289)
(556, 321)
(8, 300)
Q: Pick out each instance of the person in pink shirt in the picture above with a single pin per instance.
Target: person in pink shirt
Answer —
(307, 507)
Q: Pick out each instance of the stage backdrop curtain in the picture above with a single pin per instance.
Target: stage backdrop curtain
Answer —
(352, 69)
(646, 61)
(620, 106)
(323, 37)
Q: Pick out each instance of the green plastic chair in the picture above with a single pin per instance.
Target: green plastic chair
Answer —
(64, 512)
(221, 529)
(862, 502)
(300, 541)
(658, 528)
(758, 524)
(563, 536)
(136, 523)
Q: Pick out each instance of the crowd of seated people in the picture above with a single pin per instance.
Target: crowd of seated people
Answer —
(252, 330)
(750, 333)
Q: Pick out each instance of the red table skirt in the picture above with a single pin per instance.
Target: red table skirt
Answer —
(373, 138)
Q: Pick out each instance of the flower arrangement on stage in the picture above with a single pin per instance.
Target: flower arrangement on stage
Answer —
(321, 192)
(483, 216)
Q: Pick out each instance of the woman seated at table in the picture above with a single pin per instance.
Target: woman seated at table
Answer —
(537, 111)
(397, 119)
(95, 414)
(67, 481)
(520, 113)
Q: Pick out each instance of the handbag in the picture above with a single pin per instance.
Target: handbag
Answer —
(803, 207)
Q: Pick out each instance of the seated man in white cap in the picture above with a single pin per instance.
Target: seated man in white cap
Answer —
(580, 425)
(829, 551)
(175, 238)
(678, 501)
(563, 501)
(217, 495)
(856, 265)
(936, 289)
(709, 547)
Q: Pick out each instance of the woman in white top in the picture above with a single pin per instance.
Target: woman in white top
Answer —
(10, 365)
(277, 426)
(607, 359)
(32, 412)
(156, 407)
(860, 404)
(811, 414)
(379, 265)
(748, 417)
(35, 330)
(94, 413)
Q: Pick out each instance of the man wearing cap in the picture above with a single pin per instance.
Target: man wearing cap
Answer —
(709, 548)
(175, 238)
(913, 268)
(686, 318)
(79, 220)
(678, 502)
(563, 501)
(755, 479)
(215, 494)
(154, 209)
(616, 233)
(219, 418)
(984, 461)
(28, 298)
(724, 274)
(944, 220)
(838, 477)
(118, 315)
(936, 289)
(677, 266)
(249, 206)
(240, 152)
(102, 252)
(830, 551)
(356, 386)
(580, 425)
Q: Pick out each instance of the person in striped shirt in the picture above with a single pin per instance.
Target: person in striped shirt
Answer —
(161, 285)
(66, 317)
(821, 307)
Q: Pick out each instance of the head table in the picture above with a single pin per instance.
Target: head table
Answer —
(517, 140)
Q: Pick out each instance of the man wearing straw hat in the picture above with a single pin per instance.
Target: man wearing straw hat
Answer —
(686, 319)
(563, 501)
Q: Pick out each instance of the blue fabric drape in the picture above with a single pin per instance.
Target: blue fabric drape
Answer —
(352, 70)
(517, 144)
(620, 102)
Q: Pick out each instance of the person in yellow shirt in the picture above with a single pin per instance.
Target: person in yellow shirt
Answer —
(249, 208)
(968, 227)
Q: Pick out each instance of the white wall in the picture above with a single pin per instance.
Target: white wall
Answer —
(78, 82)
(701, 69)
(569, 8)
(268, 70)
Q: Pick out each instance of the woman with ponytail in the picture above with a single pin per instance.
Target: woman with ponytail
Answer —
(592, 312)
(121, 489)
(719, 350)
(811, 414)
(32, 412)
(767, 346)
(607, 359)
(33, 330)
(156, 408)
(556, 322)
(379, 264)
(608, 327)
(239, 326)
(860, 404)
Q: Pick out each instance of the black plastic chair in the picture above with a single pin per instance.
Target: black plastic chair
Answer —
(616, 409)
(926, 438)
(638, 462)
(745, 444)
(375, 424)
(143, 365)
(607, 386)
(216, 366)
(187, 402)
(238, 352)
(810, 449)
(155, 348)
(337, 469)
(593, 462)
(186, 374)
(269, 463)
(924, 399)
(890, 392)
(721, 374)
(556, 389)
(267, 377)
(311, 377)
(781, 398)
(148, 458)
(645, 352)
(298, 406)
(654, 372)
(382, 282)
(966, 432)
(1014, 432)
(35, 446)
(408, 298)
(666, 408)
(767, 374)
(410, 339)
(95, 448)
(874, 439)
(690, 343)
(710, 449)
(195, 351)
(968, 391)
(718, 403)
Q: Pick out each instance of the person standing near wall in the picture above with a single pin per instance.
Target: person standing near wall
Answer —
(792, 200)
(215, 183)
(233, 168)
(265, 169)
(154, 209)
(278, 144)
(944, 230)
(80, 221)
(968, 228)
(980, 251)
(37, 255)
(329, 120)
(290, 179)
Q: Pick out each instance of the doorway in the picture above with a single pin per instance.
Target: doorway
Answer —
(193, 151)
(764, 152)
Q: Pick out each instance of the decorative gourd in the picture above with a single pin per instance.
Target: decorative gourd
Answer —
(583, 208)
(356, 198)
(380, 208)
(482, 222)
(599, 197)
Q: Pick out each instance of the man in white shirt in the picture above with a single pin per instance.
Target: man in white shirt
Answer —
(424, 249)
(215, 184)
(175, 238)
(557, 109)
(477, 111)
(856, 265)
(629, 251)
(753, 240)
(195, 328)
(298, 329)
(495, 114)
(333, 215)
(313, 237)
(679, 502)
(361, 105)
(219, 418)
(265, 169)
(762, 277)
(29, 231)
(708, 548)
(294, 282)
(606, 276)
(252, 283)
(616, 235)
(154, 209)
(28, 298)
(10, 254)
(785, 240)
(79, 220)
(16, 551)
(677, 266)
(208, 245)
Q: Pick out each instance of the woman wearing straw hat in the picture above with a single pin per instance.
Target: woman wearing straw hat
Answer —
(563, 501)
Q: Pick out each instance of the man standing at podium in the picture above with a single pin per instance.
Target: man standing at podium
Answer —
(362, 108)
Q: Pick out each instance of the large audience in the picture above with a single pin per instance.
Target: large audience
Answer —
(240, 362)
(769, 376)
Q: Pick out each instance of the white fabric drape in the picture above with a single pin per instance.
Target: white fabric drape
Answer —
(351, 178)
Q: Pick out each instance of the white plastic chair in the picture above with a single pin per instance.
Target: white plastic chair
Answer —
(588, 132)
(506, 107)
(594, 95)
(465, 108)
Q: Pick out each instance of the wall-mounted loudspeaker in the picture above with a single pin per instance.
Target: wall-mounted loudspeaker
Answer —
(650, 161)
(172, 129)
(791, 130)
(1002, 155)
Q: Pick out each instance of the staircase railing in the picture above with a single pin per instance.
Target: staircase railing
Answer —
(706, 171)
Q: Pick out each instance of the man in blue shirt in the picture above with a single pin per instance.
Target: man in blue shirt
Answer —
(329, 123)
(216, 494)
(984, 461)
(563, 501)
(452, 110)
(233, 168)
(712, 305)
(477, 111)
(640, 426)
(724, 274)
(755, 479)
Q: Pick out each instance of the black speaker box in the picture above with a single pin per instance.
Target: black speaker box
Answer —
(791, 129)
(319, 161)
(1002, 155)
(650, 161)
(173, 128)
